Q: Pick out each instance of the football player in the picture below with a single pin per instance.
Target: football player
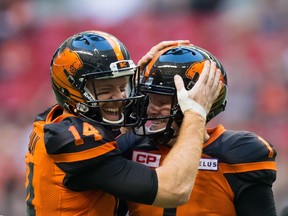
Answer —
(73, 164)
(236, 169)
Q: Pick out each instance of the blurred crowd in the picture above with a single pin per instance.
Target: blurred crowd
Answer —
(250, 37)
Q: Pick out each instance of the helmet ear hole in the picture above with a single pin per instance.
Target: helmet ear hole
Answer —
(65, 92)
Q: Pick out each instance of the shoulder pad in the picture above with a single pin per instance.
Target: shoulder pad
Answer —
(251, 157)
(241, 147)
(42, 116)
(72, 135)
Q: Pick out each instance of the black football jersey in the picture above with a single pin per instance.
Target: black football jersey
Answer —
(231, 162)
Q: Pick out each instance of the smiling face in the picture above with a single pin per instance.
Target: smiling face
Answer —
(109, 89)
(159, 107)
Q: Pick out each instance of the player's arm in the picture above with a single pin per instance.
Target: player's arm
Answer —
(256, 200)
(153, 51)
(118, 176)
(90, 160)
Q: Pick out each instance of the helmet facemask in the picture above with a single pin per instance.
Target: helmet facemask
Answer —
(97, 109)
(151, 87)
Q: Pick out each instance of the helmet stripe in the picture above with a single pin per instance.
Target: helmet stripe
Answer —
(155, 58)
(114, 44)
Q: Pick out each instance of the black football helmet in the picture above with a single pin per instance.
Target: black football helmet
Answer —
(158, 78)
(92, 55)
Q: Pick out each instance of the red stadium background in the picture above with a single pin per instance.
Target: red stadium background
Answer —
(249, 37)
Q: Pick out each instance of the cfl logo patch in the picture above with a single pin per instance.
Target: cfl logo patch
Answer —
(148, 159)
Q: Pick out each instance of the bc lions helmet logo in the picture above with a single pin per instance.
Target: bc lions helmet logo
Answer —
(194, 71)
(69, 60)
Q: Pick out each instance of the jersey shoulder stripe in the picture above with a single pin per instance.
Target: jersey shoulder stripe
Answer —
(84, 155)
(248, 167)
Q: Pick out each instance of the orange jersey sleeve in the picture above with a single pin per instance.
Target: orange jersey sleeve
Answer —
(67, 141)
(75, 168)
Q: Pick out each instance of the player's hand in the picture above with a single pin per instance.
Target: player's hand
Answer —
(153, 51)
(206, 90)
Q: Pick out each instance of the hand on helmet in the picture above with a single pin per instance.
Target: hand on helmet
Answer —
(206, 90)
(153, 51)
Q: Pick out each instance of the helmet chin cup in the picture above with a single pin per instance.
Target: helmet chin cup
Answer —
(114, 122)
(149, 131)
(160, 136)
